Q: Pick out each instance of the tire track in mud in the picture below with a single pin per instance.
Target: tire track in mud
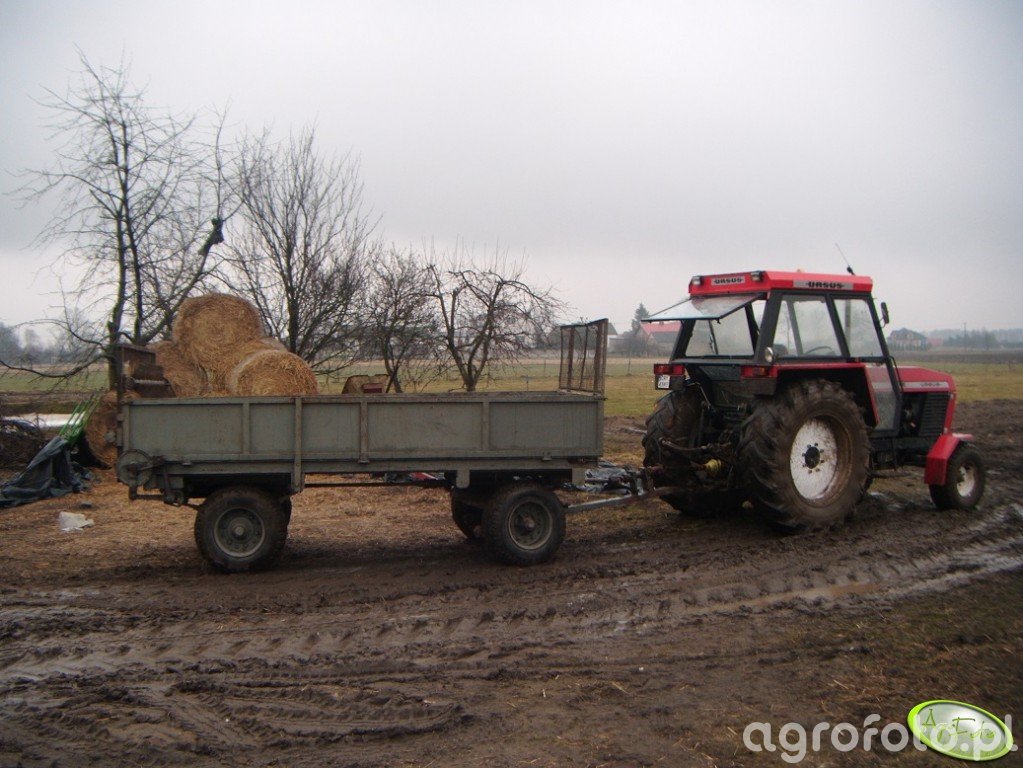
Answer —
(473, 621)
(384, 649)
(137, 720)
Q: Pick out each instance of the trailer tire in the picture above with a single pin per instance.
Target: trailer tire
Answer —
(467, 512)
(241, 529)
(804, 455)
(964, 480)
(523, 524)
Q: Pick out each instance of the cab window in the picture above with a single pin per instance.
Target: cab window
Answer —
(805, 329)
(731, 335)
(858, 326)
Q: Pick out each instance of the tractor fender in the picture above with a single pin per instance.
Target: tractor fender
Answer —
(849, 376)
(936, 469)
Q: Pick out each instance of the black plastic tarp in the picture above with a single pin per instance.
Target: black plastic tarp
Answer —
(51, 473)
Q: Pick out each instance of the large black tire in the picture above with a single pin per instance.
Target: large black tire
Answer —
(241, 529)
(675, 418)
(804, 455)
(523, 524)
(964, 481)
(467, 512)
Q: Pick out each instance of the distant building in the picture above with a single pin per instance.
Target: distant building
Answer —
(905, 340)
(663, 335)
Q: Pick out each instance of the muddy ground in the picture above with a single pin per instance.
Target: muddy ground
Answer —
(384, 638)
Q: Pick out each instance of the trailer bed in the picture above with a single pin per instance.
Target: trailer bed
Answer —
(185, 445)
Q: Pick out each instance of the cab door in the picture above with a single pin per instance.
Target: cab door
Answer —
(865, 343)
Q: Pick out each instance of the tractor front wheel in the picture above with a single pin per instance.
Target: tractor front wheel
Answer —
(964, 480)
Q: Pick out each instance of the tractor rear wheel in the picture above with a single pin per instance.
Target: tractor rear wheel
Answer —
(964, 480)
(676, 418)
(804, 455)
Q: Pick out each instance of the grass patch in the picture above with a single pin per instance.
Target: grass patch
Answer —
(980, 380)
(92, 379)
(629, 386)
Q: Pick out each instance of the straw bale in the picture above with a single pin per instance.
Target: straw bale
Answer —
(272, 372)
(239, 353)
(209, 327)
(355, 385)
(100, 429)
(186, 379)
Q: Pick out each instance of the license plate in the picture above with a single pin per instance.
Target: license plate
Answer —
(664, 381)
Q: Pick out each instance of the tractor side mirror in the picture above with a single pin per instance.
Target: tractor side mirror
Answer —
(885, 319)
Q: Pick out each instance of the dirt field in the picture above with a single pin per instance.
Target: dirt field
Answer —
(384, 638)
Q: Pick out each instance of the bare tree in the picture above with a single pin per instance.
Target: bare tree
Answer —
(301, 247)
(403, 329)
(487, 313)
(136, 194)
(11, 347)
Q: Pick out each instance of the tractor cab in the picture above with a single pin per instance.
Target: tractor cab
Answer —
(793, 366)
(741, 335)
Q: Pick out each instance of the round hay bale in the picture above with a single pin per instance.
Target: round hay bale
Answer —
(236, 355)
(361, 383)
(100, 430)
(185, 379)
(353, 384)
(209, 327)
(272, 372)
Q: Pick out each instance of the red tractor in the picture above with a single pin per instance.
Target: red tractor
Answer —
(782, 392)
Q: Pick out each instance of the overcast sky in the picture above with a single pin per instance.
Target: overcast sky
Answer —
(618, 147)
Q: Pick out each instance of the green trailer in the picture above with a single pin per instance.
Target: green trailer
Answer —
(501, 455)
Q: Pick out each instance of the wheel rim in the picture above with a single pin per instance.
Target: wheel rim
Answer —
(239, 532)
(530, 525)
(966, 480)
(814, 462)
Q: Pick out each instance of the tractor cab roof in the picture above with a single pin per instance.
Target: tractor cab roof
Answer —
(767, 280)
(714, 296)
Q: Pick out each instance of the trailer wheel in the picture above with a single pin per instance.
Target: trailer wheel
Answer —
(467, 512)
(241, 529)
(805, 456)
(285, 503)
(964, 481)
(523, 524)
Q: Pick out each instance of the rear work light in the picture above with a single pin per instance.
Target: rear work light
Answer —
(664, 371)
